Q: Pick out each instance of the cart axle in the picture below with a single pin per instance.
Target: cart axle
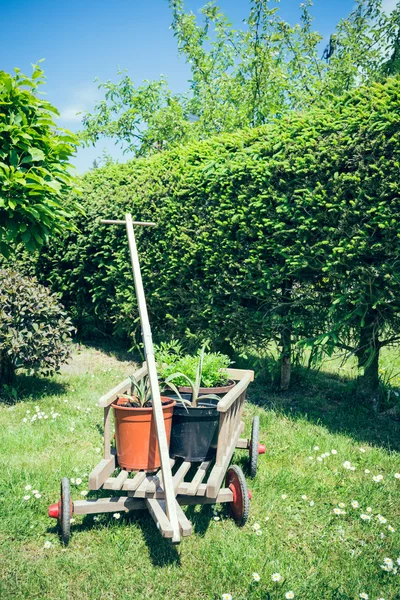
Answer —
(53, 511)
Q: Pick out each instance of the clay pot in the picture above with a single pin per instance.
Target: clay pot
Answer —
(135, 434)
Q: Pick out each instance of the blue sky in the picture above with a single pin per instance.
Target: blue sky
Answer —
(81, 40)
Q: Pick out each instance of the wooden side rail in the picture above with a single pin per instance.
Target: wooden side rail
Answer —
(226, 402)
(125, 387)
(238, 374)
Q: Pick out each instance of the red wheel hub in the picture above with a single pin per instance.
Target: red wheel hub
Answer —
(236, 506)
(261, 449)
(53, 511)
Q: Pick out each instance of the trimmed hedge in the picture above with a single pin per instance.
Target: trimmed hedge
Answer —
(293, 222)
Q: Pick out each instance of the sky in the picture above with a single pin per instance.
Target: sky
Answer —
(84, 39)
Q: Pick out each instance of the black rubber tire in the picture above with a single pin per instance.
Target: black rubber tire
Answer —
(64, 515)
(253, 449)
(235, 473)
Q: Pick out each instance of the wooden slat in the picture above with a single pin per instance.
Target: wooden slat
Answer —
(197, 479)
(218, 472)
(133, 484)
(120, 480)
(184, 523)
(159, 517)
(107, 505)
(180, 474)
(122, 388)
(100, 473)
(107, 432)
(223, 439)
(242, 443)
(238, 374)
(226, 402)
(125, 387)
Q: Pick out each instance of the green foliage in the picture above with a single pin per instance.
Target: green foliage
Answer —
(34, 169)
(212, 372)
(245, 77)
(34, 329)
(288, 227)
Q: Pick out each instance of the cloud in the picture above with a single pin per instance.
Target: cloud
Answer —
(81, 99)
(389, 5)
(70, 113)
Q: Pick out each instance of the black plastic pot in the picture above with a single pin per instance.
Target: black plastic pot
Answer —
(194, 432)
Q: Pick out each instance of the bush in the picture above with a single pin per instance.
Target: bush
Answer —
(34, 168)
(34, 329)
(282, 233)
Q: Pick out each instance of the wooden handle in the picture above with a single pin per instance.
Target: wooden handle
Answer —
(119, 222)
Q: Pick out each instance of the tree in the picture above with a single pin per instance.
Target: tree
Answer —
(34, 164)
(244, 78)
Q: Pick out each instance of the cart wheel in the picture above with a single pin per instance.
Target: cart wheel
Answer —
(65, 511)
(239, 508)
(253, 449)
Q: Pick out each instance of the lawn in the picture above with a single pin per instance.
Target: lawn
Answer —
(311, 434)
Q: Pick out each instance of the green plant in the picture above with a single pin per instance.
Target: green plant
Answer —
(34, 329)
(141, 393)
(35, 173)
(195, 385)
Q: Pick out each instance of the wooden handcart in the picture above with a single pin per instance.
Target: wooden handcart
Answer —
(177, 482)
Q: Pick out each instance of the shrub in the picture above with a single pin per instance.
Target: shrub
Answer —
(282, 233)
(34, 329)
(171, 359)
(34, 168)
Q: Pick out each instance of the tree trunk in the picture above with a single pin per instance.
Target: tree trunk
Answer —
(286, 358)
(6, 371)
(368, 362)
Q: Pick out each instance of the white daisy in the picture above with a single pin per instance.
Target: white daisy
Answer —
(24, 420)
(28, 487)
(364, 596)
(388, 562)
(256, 526)
(276, 577)
(367, 471)
(333, 451)
(216, 518)
(377, 478)
(365, 517)
(256, 577)
(362, 450)
(304, 497)
(284, 496)
(341, 505)
(27, 497)
(368, 509)
(117, 515)
(397, 475)
(38, 495)
(72, 480)
(347, 464)
(381, 519)
(258, 532)
(310, 458)
(289, 595)
(267, 518)
(319, 459)
(391, 529)
(47, 545)
(312, 503)
(316, 448)
(78, 481)
(398, 561)
(226, 597)
(84, 493)
(355, 504)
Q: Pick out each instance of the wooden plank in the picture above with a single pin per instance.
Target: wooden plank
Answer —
(100, 473)
(125, 387)
(107, 432)
(160, 518)
(226, 402)
(184, 523)
(120, 480)
(133, 484)
(238, 374)
(223, 439)
(242, 443)
(180, 474)
(154, 386)
(197, 479)
(218, 472)
(107, 505)
(136, 223)
(122, 388)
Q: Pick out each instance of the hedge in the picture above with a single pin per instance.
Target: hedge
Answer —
(294, 224)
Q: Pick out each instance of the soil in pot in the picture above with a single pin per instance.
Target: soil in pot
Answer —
(194, 433)
(135, 434)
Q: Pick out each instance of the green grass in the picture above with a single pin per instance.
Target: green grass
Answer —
(319, 555)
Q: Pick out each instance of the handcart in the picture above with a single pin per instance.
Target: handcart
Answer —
(178, 482)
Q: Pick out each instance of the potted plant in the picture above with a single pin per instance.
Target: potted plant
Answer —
(135, 429)
(195, 421)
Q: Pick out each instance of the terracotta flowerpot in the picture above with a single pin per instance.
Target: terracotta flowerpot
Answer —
(135, 435)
